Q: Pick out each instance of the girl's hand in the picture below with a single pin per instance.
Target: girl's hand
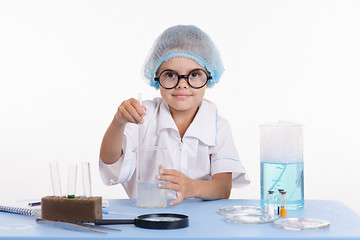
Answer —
(130, 111)
(178, 182)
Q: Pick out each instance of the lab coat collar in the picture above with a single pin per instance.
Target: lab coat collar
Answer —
(165, 119)
(203, 127)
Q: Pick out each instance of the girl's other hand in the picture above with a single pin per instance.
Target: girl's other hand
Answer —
(130, 111)
(178, 182)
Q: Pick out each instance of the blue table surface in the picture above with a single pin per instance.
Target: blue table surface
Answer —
(205, 223)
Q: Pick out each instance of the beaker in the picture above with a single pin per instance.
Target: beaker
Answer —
(149, 160)
(281, 162)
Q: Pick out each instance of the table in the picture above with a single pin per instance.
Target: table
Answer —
(205, 223)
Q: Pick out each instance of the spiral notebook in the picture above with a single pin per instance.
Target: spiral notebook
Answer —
(20, 208)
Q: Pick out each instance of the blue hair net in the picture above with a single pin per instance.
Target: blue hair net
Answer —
(184, 41)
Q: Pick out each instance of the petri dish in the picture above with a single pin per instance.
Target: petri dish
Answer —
(239, 209)
(301, 224)
(250, 218)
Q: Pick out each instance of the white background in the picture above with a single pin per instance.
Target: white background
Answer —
(65, 66)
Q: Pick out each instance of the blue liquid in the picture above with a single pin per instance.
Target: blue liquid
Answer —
(287, 176)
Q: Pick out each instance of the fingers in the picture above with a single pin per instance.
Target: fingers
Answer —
(169, 175)
(139, 108)
(164, 171)
(131, 111)
(168, 178)
(123, 116)
(161, 167)
(171, 186)
(178, 200)
(177, 189)
(175, 180)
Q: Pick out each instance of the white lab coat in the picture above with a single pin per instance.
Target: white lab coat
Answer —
(207, 147)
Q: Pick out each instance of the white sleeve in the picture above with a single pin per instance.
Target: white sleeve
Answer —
(225, 158)
(122, 170)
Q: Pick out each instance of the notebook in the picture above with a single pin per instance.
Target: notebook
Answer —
(21, 208)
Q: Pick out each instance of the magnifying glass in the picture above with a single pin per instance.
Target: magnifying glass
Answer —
(152, 221)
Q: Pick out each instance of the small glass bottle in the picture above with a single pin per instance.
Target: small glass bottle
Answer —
(277, 201)
(283, 205)
(270, 203)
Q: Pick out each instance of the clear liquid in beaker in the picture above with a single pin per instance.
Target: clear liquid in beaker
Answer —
(287, 176)
(151, 196)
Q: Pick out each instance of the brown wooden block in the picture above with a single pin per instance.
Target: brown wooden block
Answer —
(78, 209)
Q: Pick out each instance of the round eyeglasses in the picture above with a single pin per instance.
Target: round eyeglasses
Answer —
(169, 79)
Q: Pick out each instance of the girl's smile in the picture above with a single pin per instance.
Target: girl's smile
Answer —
(181, 95)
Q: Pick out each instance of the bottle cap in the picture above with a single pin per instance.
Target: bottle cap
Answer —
(271, 192)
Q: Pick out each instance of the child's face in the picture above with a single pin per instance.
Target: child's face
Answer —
(182, 97)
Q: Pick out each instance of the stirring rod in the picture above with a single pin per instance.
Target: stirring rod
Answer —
(55, 178)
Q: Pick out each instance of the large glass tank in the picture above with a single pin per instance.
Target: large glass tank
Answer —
(281, 162)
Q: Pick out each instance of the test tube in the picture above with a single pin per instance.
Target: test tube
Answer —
(55, 178)
(139, 149)
(72, 180)
(86, 178)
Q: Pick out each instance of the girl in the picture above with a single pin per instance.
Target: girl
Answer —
(182, 64)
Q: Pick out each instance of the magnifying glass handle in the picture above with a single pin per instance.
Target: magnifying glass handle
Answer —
(114, 221)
